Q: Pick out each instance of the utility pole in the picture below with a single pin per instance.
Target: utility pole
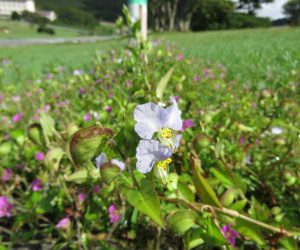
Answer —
(139, 11)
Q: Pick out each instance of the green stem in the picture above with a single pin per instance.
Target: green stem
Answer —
(200, 206)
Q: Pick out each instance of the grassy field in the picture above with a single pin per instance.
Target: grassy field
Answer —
(256, 56)
(18, 30)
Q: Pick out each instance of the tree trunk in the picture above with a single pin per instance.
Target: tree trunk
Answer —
(172, 10)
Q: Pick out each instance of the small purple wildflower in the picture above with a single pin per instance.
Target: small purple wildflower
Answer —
(82, 197)
(187, 124)
(6, 175)
(196, 78)
(96, 189)
(36, 185)
(17, 117)
(108, 109)
(114, 216)
(63, 223)
(39, 156)
(5, 207)
(87, 117)
(179, 57)
(242, 140)
(110, 95)
(82, 90)
(229, 234)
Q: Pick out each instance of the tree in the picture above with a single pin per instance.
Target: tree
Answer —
(292, 9)
(187, 9)
(251, 5)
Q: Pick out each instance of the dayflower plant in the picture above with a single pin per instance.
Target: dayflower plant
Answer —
(166, 122)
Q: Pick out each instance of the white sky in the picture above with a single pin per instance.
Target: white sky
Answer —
(273, 10)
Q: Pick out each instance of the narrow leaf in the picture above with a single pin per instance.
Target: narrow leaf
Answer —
(160, 89)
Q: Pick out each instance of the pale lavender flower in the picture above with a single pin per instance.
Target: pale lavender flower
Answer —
(110, 95)
(17, 117)
(149, 153)
(6, 175)
(5, 207)
(1, 97)
(36, 185)
(63, 223)
(102, 159)
(276, 131)
(187, 124)
(119, 164)
(151, 118)
(39, 156)
(229, 234)
(78, 72)
(114, 216)
(128, 83)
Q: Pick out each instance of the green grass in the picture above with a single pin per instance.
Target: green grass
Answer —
(253, 55)
(34, 61)
(24, 30)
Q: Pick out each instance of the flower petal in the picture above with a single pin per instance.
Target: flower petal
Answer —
(148, 153)
(100, 160)
(148, 120)
(118, 163)
(172, 117)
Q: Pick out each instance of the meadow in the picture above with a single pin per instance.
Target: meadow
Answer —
(255, 56)
(188, 141)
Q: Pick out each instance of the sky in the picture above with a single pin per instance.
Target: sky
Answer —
(272, 10)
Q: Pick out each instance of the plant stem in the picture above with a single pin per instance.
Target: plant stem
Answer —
(200, 206)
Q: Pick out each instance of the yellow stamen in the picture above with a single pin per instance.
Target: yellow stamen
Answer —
(164, 164)
(167, 133)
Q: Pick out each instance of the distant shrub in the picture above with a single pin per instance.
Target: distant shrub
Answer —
(241, 20)
(45, 29)
(15, 16)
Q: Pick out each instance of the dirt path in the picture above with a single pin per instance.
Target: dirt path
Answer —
(37, 41)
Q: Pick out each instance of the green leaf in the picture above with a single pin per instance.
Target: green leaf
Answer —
(213, 235)
(18, 136)
(82, 176)
(288, 243)
(222, 176)
(53, 158)
(203, 189)
(48, 125)
(181, 220)
(249, 230)
(160, 89)
(108, 172)
(146, 201)
(185, 192)
(87, 143)
(195, 239)
(35, 133)
(239, 205)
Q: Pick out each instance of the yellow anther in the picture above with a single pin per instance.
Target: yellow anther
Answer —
(164, 164)
(167, 133)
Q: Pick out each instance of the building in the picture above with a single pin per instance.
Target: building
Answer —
(50, 15)
(7, 7)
